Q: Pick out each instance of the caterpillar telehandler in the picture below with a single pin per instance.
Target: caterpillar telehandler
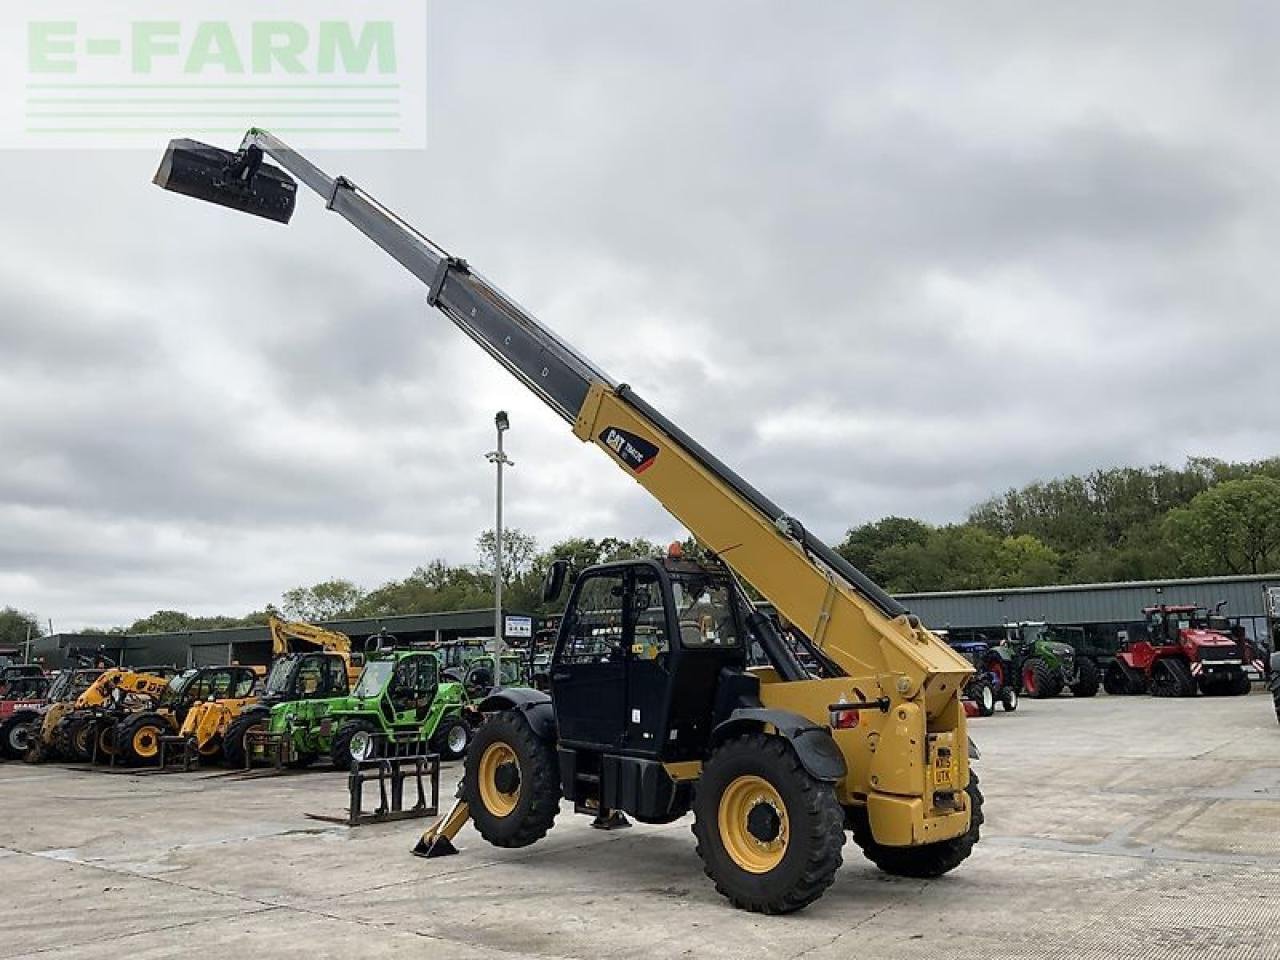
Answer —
(653, 709)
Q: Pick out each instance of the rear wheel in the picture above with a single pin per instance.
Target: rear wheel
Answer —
(1087, 680)
(354, 740)
(138, 738)
(1039, 680)
(930, 859)
(511, 782)
(451, 738)
(233, 748)
(769, 834)
(984, 697)
(1172, 678)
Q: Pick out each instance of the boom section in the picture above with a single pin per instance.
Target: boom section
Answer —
(850, 618)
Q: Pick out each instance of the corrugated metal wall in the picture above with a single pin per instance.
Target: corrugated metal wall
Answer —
(1097, 603)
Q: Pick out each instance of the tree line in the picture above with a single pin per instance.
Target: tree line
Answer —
(1207, 518)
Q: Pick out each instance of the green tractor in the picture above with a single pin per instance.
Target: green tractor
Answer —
(1040, 660)
(399, 691)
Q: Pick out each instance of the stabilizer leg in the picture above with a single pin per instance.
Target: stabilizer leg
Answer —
(438, 840)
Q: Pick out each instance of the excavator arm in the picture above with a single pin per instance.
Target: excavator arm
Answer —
(908, 681)
(297, 636)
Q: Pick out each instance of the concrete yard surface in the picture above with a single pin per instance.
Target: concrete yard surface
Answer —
(1116, 827)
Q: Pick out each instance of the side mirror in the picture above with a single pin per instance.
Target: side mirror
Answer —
(553, 582)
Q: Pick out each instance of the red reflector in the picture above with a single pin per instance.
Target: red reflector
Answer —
(844, 719)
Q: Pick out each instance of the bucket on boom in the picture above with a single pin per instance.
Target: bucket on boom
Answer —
(240, 180)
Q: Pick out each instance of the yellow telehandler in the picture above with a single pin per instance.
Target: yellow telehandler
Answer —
(658, 707)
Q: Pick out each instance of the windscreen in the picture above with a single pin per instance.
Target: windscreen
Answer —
(374, 677)
(278, 678)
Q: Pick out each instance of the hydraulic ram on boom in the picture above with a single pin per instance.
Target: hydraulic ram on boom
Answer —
(875, 684)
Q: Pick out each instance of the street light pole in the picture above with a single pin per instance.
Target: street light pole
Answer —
(500, 460)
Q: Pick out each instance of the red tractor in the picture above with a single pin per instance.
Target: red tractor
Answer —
(1187, 649)
(22, 691)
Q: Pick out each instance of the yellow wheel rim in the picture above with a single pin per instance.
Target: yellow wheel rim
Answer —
(753, 824)
(495, 758)
(146, 741)
(82, 739)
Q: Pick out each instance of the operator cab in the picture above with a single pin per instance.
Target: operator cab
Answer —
(306, 676)
(638, 660)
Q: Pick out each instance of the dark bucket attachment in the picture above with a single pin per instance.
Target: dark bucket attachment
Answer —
(240, 181)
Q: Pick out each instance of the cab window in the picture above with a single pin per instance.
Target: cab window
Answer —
(595, 634)
(649, 615)
(705, 611)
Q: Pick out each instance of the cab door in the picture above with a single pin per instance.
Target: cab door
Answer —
(589, 672)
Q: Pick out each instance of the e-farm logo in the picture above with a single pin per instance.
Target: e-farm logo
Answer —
(133, 73)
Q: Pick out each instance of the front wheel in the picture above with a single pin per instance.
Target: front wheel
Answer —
(769, 834)
(353, 741)
(233, 748)
(511, 783)
(1009, 699)
(16, 735)
(451, 738)
(927, 860)
(137, 738)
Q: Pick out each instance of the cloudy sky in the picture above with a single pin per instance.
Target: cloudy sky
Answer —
(882, 258)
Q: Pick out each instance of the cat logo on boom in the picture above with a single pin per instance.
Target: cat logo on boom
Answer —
(636, 452)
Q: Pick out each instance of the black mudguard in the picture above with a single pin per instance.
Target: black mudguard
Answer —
(534, 704)
(813, 744)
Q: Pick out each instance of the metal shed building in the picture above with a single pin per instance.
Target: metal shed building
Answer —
(1103, 609)
(252, 645)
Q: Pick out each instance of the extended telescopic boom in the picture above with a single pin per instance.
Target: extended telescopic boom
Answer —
(826, 597)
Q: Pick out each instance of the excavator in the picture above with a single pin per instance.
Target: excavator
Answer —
(851, 724)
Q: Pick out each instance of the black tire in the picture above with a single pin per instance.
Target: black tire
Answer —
(1009, 699)
(1039, 680)
(1274, 685)
(529, 781)
(233, 752)
(138, 738)
(983, 694)
(75, 738)
(931, 859)
(452, 737)
(340, 748)
(16, 735)
(1115, 681)
(1087, 679)
(1240, 684)
(811, 854)
(1171, 677)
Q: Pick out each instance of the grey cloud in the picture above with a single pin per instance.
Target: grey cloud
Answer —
(881, 258)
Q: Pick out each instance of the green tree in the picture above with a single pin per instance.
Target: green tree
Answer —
(16, 627)
(327, 600)
(863, 546)
(1233, 527)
